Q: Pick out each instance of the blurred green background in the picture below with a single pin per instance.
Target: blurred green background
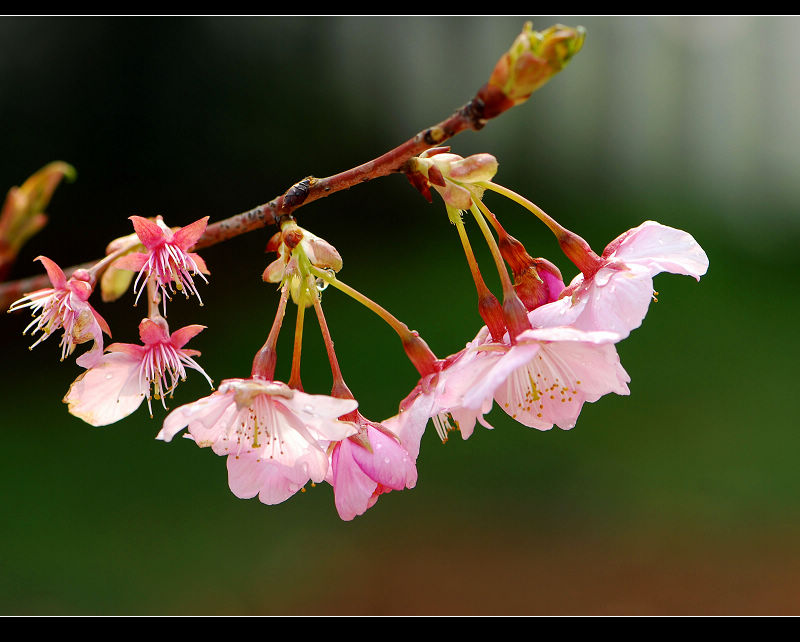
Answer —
(683, 498)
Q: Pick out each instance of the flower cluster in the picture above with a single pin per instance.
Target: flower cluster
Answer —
(545, 348)
(542, 369)
(115, 384)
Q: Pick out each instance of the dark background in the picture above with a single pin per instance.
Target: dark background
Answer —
(680, 499)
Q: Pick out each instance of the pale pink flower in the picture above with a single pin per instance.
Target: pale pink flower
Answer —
(123, 378)
(544, 378)
(275, 437)
(167, 259)
(367, 465)
(66, 306)
(616, 297)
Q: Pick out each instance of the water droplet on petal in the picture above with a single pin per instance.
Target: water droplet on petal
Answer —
(386, 460)
(109, 376)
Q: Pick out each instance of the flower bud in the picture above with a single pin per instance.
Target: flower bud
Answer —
(23, 215)
(536, 281)
(534, 57)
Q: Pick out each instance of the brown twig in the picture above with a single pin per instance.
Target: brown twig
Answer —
(306, 191)
(311, 189)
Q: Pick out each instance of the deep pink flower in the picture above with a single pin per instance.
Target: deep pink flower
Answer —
(66, 306)
(617, 295)
(275, 437)
(122, 379)
(367, 465)
(168, 258)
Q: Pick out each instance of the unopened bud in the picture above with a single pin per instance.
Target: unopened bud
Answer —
(39, 188)
(536, 281)
(534, 57)
(539, 284)
(22, 214)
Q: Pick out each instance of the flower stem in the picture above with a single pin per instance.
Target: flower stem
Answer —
(505, 280)
(416, 349)
(294, 377)
(514, 311)
(153, 299)
(98, 268)
(339, 388)
(265, 359)
(576, 249)
(488, 306)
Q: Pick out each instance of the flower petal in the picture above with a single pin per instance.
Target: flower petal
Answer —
(660, 249)
(149, 233)
(388, 463)
(188, 236)
(107, 392)
(563, 374)
(352, 487)
(134, 262)
(54, 273)
(181, 337)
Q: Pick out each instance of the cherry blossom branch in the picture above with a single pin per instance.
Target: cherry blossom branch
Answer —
(531, 61)
(306, 191)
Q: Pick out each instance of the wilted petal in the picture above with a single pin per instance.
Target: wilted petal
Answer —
(455, 195)
(473, 169)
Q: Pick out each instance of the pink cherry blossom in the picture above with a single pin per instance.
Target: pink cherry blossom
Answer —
(168, 259)
(545, 377)
(367, 465)
(275, 437)
(616, 297)
(66, 306)
(542, 380)
(122, 379)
